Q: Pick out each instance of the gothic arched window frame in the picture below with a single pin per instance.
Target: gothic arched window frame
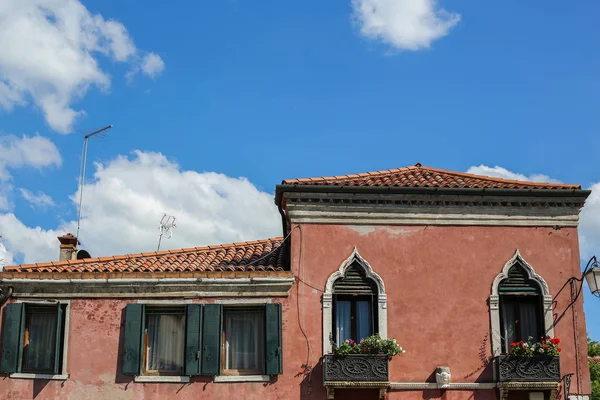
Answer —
(379, 305)
(495, 311)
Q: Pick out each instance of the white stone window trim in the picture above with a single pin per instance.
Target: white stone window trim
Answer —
(495, 301)
(328, 298)
(161, 379)
(63, 376)
(48, 377)
(241, 378)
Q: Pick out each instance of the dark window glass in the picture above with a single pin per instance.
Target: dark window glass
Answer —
(521, 319)
(39, 345)
(353, 318)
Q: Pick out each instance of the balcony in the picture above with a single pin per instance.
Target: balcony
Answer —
(527, 369)
(364, 371)
(527, 373)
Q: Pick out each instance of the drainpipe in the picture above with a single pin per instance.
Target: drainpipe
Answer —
(278, 201)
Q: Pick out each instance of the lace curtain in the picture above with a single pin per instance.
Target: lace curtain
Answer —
(244, 340)
(166, 336)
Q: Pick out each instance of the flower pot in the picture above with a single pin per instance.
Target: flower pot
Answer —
(527, 369)
(356, 368)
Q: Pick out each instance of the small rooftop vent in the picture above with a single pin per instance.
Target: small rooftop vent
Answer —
(81, 254)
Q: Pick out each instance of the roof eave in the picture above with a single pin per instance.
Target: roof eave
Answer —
(558, 192)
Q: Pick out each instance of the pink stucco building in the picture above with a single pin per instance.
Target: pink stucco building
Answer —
(454, 266)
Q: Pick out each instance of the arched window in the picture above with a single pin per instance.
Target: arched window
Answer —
(520, 305)
(354, 305)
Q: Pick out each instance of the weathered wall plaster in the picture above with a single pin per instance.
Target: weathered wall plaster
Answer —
(437, 279)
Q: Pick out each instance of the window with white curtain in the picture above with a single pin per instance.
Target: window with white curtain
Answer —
(164, 340)
(243, 340)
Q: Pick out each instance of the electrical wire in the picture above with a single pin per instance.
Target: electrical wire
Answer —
(300, 322)
(271, 252)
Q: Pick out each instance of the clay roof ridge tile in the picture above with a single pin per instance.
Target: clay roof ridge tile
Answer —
(43, 264)
(443, 178)
(499, 180)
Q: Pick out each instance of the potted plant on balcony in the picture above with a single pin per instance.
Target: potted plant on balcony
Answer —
(366, 361)
(530, 361)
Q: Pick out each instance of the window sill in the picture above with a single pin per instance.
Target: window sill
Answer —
(161, 379)
(242, 378)
(49, 377)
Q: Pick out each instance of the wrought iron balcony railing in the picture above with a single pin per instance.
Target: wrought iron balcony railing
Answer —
(527, 369)
(356, 368)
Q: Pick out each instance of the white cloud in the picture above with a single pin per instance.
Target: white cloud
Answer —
(36, 243)
(40, 200)
(126, 199)
(20, 152)
(403, 24)
(589, 219)
(5, 257)
(152, 65)
(48, 51)
(499, 172)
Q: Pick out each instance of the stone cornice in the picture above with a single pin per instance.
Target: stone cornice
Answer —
(439, 198)
(265, 284)
(423, 209)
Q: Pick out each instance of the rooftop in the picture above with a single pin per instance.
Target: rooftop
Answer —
(271, 254)
(425, 177)
(259, 255)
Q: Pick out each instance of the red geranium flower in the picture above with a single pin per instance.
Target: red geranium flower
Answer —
(559, 349)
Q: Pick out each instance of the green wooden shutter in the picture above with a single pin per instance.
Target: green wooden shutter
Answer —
(134, 323)
(193, 339)
(59, 339)
(211, 337)
(274, 358)
(11, 334)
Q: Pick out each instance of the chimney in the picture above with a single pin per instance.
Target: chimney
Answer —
(68, 247)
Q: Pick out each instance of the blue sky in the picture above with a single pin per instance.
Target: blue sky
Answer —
(249, 93)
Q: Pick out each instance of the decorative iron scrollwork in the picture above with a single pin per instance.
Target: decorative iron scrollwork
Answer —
(528, 369)
(363, 368)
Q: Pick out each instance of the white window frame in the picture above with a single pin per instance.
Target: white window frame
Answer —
(355, 257)
(232, 303)
(495, 300)
(63, 375)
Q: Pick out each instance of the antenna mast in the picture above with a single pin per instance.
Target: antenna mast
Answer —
(82, 171)
(167, 224)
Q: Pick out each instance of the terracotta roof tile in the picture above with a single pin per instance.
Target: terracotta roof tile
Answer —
(421, 176)
(258, 255)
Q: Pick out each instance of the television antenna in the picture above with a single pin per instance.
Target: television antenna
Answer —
(82, 169)
(166, 226)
